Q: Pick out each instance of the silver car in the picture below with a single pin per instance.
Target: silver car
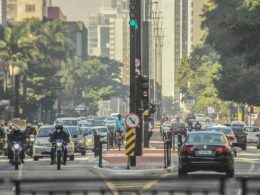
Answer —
(42, 146)
(102, 131)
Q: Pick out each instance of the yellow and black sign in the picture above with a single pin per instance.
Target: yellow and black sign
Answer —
(130, 142)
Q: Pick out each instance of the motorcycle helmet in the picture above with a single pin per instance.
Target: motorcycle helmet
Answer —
(59, 127)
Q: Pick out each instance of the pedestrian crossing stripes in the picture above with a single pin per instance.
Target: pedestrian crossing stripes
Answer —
(130, 142)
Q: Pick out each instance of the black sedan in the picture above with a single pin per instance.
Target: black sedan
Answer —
(206, 151)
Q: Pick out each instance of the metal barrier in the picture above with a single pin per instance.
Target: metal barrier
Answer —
(175, 186)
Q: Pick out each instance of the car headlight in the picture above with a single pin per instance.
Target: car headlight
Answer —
(59, 144)
(16, 146)
(89, 140)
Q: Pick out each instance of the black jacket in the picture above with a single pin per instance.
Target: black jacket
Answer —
(17, 136)
(60, 135)
(30, 131)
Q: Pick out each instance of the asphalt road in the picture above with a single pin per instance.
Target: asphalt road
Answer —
(247, 163)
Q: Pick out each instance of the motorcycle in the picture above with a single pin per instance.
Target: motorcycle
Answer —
(29, 147)
(16, 153)
(59, 152)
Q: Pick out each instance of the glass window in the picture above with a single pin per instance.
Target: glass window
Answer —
(224, 130)
(30, 8)
(238, 130)
(205, 138)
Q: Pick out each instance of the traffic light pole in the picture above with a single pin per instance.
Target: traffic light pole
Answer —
(138, 56)
(132, 159)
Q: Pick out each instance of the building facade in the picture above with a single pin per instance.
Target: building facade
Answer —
(18, 10)
(3, 10)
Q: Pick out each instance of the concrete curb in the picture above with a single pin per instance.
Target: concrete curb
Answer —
(135, 172)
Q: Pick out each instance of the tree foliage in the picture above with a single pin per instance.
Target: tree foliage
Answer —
(233, 31)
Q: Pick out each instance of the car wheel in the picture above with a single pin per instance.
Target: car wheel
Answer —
(182, 173)
(71, 158)
(230, 173)
(35, 158)
(83, 153)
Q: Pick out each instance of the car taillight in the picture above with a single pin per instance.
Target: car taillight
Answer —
(222, 150)
(188, 150)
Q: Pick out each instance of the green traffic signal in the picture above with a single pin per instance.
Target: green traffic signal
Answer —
(132, 22)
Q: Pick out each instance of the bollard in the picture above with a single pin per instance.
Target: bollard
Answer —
(100, 155)
(173, 141)
(108, 139)
(96, 144)
(164, 156)
(111, 139)
(179, 141)
(168, 153)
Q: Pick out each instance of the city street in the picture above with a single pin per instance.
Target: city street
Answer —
(247, 164)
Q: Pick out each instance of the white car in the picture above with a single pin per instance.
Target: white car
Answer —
(42, 146)
(69, 121)
(251, 131)
(102, 131)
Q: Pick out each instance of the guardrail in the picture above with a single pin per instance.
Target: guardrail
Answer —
(175, 186)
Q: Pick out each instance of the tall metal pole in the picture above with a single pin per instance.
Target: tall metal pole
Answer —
(132, 81)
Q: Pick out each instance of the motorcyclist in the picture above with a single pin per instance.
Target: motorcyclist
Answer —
(16, 136)
(197, 126)
(59, 133)
(30, 130)
(120, 125)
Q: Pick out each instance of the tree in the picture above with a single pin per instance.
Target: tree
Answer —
(233, 31)
(92, 80)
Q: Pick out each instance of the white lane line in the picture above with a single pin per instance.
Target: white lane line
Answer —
(20, 172)
(252, 167)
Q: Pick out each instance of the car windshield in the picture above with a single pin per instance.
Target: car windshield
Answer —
(46, 131)
(251, 129)
(68, 122)
(98, 122)
(205, 138)
(74, 130)
(238, 130)
(86, 131)
(226, 131)
(101, 130)
(179, 125)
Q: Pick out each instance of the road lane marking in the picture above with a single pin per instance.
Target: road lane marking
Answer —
(20, 172)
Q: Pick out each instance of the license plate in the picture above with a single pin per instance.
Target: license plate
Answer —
(205, 152)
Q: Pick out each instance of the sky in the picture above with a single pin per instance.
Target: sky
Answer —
(76, 10)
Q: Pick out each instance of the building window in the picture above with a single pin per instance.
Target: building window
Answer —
(30, 8)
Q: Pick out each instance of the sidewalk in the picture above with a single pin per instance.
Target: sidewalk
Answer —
(152, 159)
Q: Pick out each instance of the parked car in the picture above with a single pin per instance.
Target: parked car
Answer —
(88, 134)
(102, 131)
(241, 136)
(78, 139)
(202, 118)
(206, 151)
(229, 134)
(252, 133)
(69, 121)
(42, 146)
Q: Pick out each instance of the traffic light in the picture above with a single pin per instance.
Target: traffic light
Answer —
(144, 91)
(133, 15)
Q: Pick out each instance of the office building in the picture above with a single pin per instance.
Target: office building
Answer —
(18, 10)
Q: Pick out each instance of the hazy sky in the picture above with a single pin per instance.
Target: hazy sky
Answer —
(76, 10)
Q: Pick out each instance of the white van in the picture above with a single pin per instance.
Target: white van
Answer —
(251, 131)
